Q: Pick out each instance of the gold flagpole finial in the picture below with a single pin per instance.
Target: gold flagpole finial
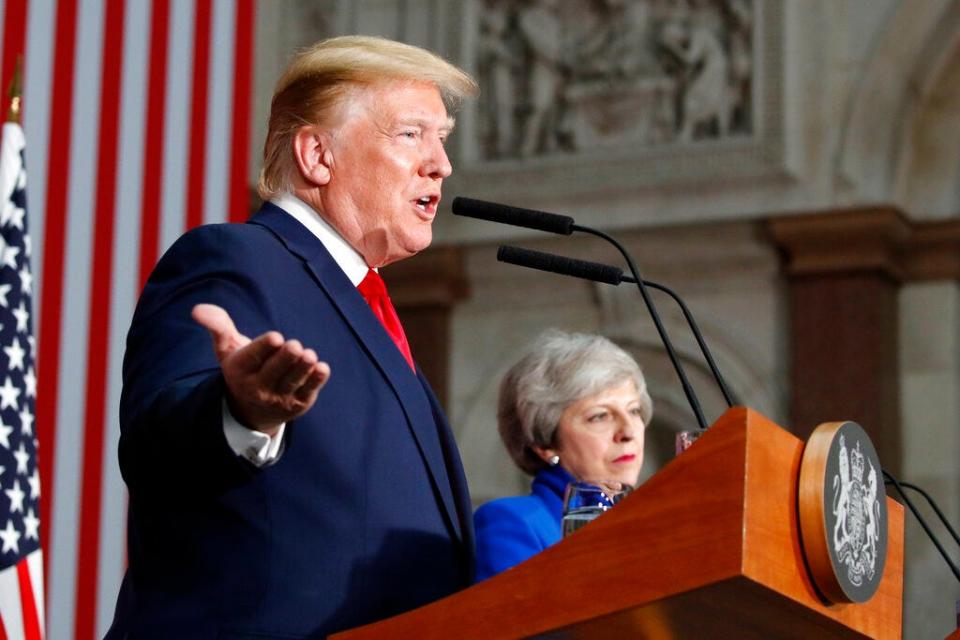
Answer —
(14, 93)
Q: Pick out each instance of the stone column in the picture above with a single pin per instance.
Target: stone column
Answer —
(843, 278)
(844, 270)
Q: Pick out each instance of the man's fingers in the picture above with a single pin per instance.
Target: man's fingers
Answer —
(251, 358)
(289, 367)
(280, 366)
(312, 383)
(223, 332)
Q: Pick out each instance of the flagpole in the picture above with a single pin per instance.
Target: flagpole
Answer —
(14, 93)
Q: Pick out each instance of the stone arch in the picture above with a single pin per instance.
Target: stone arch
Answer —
(875, 161)
(927, 181)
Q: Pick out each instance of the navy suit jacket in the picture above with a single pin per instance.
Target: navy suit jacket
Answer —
(510, 530)
(366, 514)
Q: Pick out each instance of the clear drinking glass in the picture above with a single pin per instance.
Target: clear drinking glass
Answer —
(584, 501)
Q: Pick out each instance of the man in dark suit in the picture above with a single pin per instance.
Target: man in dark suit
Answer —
(262, 506)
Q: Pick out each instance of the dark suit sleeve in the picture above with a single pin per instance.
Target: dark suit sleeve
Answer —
(171, 404)
(505, 537)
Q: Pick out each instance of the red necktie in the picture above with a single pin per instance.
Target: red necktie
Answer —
(374, 291)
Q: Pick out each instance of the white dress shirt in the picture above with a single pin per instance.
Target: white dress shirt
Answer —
(259, 448)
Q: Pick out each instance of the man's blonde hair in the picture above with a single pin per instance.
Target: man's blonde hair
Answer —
(320, 79)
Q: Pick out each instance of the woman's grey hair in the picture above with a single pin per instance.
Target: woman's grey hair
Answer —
(322, 79)
(554, 372)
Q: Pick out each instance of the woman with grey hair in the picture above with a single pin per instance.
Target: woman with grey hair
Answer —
(574, 407)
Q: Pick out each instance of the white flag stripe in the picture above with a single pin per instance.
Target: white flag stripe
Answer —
(177, 127)
(216, 198)
(10, 610)
(37, 64)
(35, 567)
(125, 288)
(9, 167)
(75, 317)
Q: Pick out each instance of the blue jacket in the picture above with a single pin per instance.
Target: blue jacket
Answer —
(510, 530)
(366, 513)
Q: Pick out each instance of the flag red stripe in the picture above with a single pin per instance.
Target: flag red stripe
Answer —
(99, 327)
(58, 171)
(154, 139)
(196, 167)
(14, 36)
(239, 206)
(31, 621)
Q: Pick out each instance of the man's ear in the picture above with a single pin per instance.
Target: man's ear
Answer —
(311, 151)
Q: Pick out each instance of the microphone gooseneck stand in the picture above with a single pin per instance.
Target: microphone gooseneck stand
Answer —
(923, 523)
(674, 360)
(936, 509)
(607, 274)
(564, 225)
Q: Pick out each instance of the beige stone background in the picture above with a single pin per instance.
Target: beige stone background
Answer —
(854, 103)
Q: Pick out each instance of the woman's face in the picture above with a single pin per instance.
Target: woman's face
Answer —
(600, 437)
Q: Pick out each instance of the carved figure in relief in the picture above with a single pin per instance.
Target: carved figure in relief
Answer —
(563, 76)
(541, 32)
(706, 98)
(498, 65)
(741, 59)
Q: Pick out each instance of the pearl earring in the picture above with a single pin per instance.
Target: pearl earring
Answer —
(554, 461)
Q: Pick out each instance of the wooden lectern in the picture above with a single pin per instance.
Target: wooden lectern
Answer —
(709, 547)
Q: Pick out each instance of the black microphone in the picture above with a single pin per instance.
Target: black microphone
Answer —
(505, 214)
(564, 225)
(560, 264)
(607, 274)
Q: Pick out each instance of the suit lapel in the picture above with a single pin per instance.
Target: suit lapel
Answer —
(377, 343)
(458, 481)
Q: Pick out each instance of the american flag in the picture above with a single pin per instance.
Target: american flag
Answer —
(137, 114)
(21, 564)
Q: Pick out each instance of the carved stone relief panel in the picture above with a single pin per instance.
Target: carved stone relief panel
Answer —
(560, 77)
(592, 98)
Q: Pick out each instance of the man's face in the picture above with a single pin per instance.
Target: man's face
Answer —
(387, 165)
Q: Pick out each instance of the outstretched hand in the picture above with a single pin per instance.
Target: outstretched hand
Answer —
(269, 380)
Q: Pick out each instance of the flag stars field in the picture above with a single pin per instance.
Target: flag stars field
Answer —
(31, 526)
(15, 352)
(23, 458)
(9, 394)
(30, 381)
(26, 281)
(22, 316)
(20, 554)
(16, 496)
(11, 538)
(9, 258)
(5, 432)
(34, 482)
(26, 420)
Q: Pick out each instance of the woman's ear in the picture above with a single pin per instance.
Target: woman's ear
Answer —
(311, 151)
(544, 454)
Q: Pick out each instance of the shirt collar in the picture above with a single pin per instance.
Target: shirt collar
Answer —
(346, 257)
